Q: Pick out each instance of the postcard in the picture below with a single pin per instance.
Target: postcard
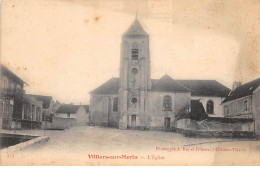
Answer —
(130, 83)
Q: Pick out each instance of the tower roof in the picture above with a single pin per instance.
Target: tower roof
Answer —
(135, 29)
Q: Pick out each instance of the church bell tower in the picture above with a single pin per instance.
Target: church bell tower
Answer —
(135, 77)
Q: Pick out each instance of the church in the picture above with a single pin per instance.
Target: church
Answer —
(135, 101)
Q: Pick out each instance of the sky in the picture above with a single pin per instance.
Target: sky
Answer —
(67, 48)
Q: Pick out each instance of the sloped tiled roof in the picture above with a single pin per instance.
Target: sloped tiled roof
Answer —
(135, 29)
(45, 99)
(243, 90)
(108, 88)
(205, 87)
(68, 108)
(5, 70)
(167, 84)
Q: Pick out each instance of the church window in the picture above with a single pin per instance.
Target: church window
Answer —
(134, 71)
(115, 104)
(134, 100)
(134, 54)
(246, 105)
(167, 103)
(210, 107)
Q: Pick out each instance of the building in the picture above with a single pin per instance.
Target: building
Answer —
(135, 101)
(47, 105)
(11, 98)
(68, 115)
(78, 112)
(244, 102)
(31, 114)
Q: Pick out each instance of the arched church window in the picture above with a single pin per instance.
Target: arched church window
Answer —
(115, 104)
(210, 107)
(167, 103)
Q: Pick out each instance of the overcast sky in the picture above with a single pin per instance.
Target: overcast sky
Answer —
(66, 48)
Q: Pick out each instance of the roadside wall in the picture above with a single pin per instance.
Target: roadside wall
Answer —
(214, 126)
(59, 123)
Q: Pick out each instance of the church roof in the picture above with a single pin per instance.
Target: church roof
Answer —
(167, 84)
(205, 87)
(243, 90)
(135, 29)
(108, 88)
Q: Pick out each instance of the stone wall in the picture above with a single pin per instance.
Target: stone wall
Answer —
(65, 115)
(205, 125)
(60, 123)
(101, 111)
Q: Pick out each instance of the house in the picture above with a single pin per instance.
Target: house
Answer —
(135, 101)
(31, 113)
(47, 105)
(78, 112)
(11, 98)
(244, 102)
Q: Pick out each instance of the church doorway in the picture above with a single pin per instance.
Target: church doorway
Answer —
(167, 123)
(133, 121)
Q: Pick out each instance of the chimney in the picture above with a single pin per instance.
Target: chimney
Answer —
(236, 85)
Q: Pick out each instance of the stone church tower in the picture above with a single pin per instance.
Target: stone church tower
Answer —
(135, 78)
(135, 101)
